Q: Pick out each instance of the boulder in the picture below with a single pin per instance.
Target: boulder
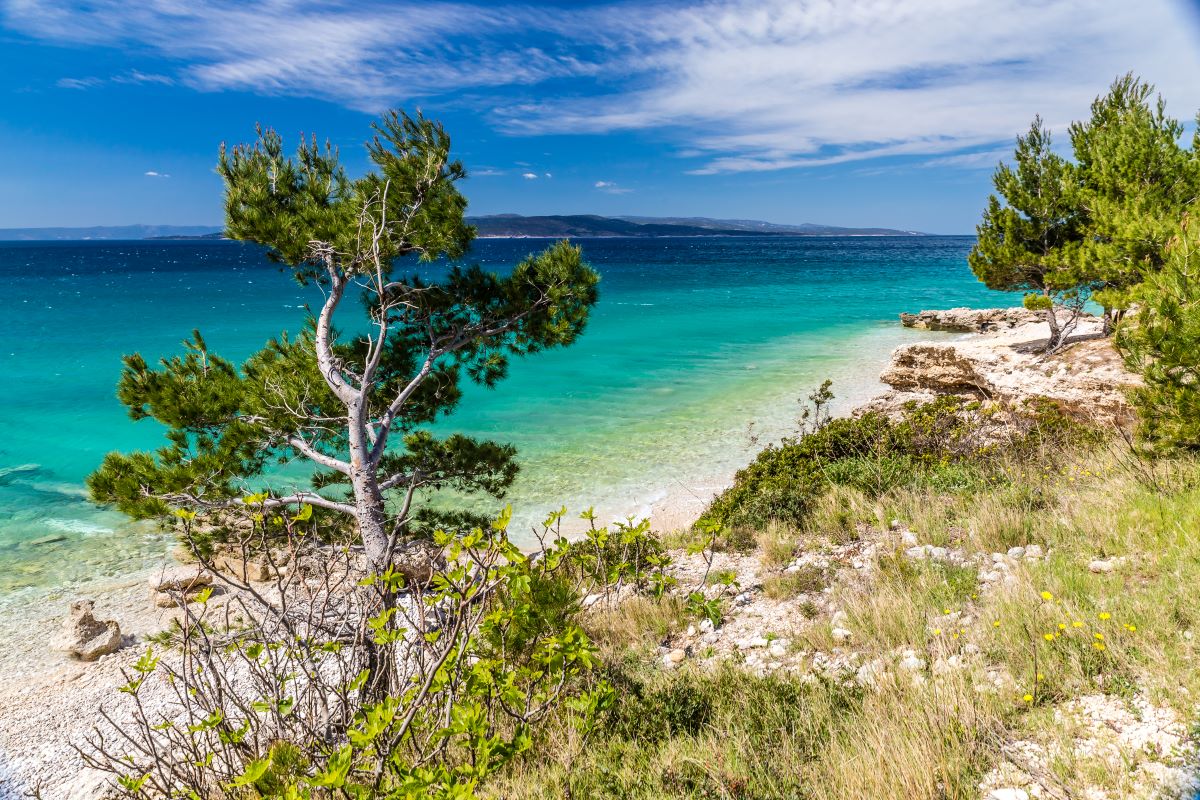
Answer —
(181, 579)
(86, 637)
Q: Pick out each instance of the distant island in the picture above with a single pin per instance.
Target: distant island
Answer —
(495, 226)
(592, 225)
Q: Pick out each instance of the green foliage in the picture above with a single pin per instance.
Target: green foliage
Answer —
(1135, 180)
(1062, 231)
(1163, 343)
(352, 406)
(949, 444)
(1034, 214)
(505, 650)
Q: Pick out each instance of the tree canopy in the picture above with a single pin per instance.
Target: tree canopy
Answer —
(353, 406)
(1093, 226)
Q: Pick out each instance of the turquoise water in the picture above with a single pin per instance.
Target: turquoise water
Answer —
(696, 346)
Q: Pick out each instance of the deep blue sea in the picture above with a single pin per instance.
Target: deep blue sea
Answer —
(697, 348)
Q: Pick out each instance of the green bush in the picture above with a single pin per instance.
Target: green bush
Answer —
(948, 444)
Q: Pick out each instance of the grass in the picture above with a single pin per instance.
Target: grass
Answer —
(725, 733)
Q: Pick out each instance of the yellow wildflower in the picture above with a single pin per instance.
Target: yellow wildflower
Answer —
(1105, 615)
(1028, 698)
(1062, 626)
(1047, 596)
(1099, 636)
(1049, 637)
(1098, 645)
(996, 624)
(1076, 624)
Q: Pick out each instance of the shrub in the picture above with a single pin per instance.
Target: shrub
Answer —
(948, 444)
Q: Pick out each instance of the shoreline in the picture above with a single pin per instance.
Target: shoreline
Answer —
(54, 688)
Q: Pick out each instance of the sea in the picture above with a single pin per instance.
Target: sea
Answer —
(699, 352)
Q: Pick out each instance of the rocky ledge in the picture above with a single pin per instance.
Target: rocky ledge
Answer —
(1003, 362)
(970, 320)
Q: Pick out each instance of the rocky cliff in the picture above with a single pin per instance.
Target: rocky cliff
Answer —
(1001, 361)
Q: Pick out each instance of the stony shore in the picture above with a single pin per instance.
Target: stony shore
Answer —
(50, 701)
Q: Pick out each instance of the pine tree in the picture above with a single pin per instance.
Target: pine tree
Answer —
(354, 406)
(1026, 227)
(1162, 341)
(1136, 180)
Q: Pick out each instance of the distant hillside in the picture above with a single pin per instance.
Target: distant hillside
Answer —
(109, 232)
(515, 225)
(591, 225)
(771, 228)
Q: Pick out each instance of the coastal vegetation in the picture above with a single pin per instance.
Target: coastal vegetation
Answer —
(1096, 226)
(950, 598)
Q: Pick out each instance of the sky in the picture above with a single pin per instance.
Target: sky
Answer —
(843, 112)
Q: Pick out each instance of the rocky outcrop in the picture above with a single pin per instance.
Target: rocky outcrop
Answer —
(970, 320)
(86, 637)
(1087, 379)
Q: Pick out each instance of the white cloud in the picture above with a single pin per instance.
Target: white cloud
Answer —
(548, 175)
(529, 176)
(152, 174)
(610, 187)
(77, 83)
(739, 85)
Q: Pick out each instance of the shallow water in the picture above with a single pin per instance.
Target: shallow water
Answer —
(696, 345)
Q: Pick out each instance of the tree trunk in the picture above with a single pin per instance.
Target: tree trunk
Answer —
(1055, 340)
(368, 497)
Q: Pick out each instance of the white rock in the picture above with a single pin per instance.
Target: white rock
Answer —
(1034, 551)
(1016, 552)
(92, 784)
(939, 553)
(777, 651)
(181, 579)
(591, 600)
(759, 641)
(897, 524)
(908, 538)
(912, 663)
(676, 655)
(1007, 793)
(915, 552)
(841, 635)
(691, 630)
(86, 637)
(1102, 565)
(706, 625)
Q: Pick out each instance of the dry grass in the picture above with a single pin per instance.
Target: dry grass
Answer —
(935, 734)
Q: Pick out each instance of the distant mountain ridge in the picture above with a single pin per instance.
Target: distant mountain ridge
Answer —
(593, 225)
(551, 226)
(108, 232)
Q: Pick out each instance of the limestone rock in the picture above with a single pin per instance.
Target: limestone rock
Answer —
(1087, 380)
(1007, 793)
(181, 579)
(86, 637)
(970, 320)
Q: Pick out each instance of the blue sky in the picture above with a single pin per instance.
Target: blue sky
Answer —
(846, 112)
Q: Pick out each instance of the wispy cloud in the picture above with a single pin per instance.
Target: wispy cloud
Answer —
(78, 83)
(734, 85)
(609, 187)
(152, 174)
(529, 176)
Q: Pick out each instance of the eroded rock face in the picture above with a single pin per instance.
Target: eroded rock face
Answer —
(935, 368)
(86, 637)
(1087, 379)
(970, 320)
